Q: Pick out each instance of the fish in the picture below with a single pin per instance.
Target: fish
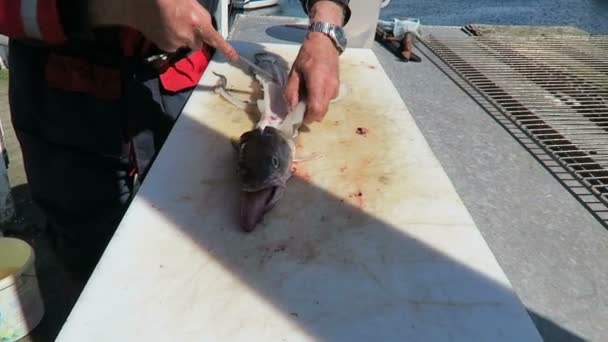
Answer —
(267, 152)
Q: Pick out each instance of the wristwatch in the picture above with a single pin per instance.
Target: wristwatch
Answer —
(334, 32)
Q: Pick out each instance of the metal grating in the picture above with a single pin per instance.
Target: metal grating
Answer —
(551, 93)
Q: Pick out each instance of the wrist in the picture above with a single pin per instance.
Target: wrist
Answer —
(321, 40)
(330, 33)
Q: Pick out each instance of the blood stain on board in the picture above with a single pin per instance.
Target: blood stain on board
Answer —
(384, 180)
(269, 251)
(343, 168)
(362, 131)
(305, 176)
(368, 65)
(302, 174)
(185, 198)
(358, 196)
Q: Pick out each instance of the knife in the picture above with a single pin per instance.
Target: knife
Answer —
(165, 58)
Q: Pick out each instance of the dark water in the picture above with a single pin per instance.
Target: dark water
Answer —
(589, 15)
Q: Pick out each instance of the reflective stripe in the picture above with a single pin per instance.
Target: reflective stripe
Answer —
(10, 18)
(29, 15)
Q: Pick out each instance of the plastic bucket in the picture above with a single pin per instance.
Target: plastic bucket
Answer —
(21, 306)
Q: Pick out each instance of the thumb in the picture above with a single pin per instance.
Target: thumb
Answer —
(292, 90)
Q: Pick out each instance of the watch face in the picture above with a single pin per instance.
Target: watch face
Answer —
(341, 37)
(336, 33)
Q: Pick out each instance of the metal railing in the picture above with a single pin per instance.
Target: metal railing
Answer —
(553, 90)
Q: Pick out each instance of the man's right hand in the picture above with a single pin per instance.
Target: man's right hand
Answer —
(169, 24)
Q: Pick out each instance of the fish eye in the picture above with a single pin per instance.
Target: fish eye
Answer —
(275, 162)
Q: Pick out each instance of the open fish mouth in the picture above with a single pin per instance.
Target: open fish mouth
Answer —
(255, 204)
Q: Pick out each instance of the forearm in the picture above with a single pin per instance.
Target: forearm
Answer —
(327, 11)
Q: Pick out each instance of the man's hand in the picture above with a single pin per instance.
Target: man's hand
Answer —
(170, 24)
(315, 75)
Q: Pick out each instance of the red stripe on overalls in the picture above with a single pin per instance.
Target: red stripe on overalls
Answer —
(11, 23)
(78, 75)
(49, 21)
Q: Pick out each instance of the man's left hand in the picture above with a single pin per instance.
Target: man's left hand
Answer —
(314, 76)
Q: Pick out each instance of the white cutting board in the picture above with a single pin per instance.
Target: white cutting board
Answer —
(370, 241)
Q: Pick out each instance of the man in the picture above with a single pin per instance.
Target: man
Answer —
(90, 113)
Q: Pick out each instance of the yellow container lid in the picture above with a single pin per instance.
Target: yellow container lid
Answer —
(15, 257)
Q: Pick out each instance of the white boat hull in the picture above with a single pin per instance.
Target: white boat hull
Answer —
(254, 4)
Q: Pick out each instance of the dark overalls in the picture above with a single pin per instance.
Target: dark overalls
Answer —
(90, 116)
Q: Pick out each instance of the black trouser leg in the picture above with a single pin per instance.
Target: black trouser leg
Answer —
(75, 150)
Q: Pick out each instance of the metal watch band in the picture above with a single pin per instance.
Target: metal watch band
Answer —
(329, 30)
(343, 3)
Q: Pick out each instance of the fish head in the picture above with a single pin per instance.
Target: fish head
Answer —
(265, 156)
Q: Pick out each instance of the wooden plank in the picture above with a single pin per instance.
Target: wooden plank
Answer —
(369, 242)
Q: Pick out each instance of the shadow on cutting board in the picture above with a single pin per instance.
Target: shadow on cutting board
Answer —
(347, 262)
